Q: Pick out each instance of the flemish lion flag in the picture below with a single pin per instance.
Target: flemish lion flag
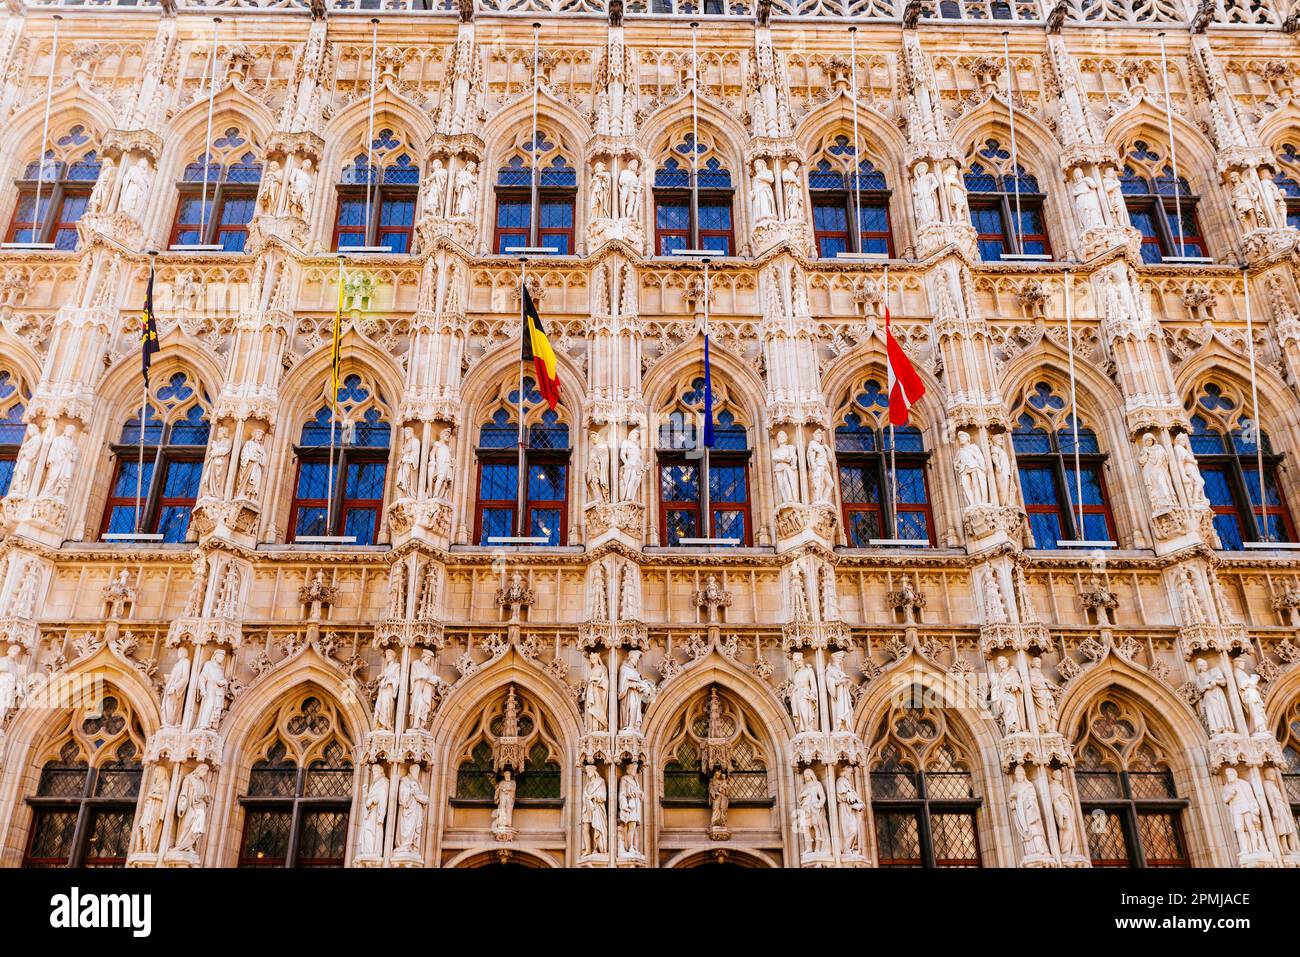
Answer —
(148, 329)
(905, 385)
(537, 349)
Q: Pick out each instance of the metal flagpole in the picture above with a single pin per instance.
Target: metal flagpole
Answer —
(534, 186)
(695, 136)
(1254, 404)
(1011, 119)
(334, 409)
(522, 467)
(207, 155)
(706, 499)
(37, 219)
(893, 468)
(144, 407)
(1173, 149)
(855, 233)
(1074, 408)
(370, 135)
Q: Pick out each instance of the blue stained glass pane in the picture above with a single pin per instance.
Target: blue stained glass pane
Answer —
(311, 521)
(987, 219)
(352, 212)
(557, 241)
(313, 480)
(348, 240)
(6, 475)
(715, 216)
(366, 480)
(1091, 486)
(828, 247)
(875, 244)
(372, 432)
(126, 479)
(672, 216)
(979, 181)
(672, 176)
(712, 176)
(513, 215)
(232, 242)
(824, 177)
(680, 525)
(1293, 217)
(727, 483)
(906, 438)
(834, 219)
(236, 212)
(859, 484)
(360, 524)
(863, 527)
(728, 435)
(545, 521)
(399, 213)
(546, 482)
(911, 486)
(181, 480)
(497, 523)
(174, 522)
(1276, 528)
(1031, 441)
(718, 244)
(1087, 441)
(1038, 486)
(679, 483)
(500, 433)
(1229, 531)
(991, 249)
(498, 482)
(121, 520)
(667, 244)
(191, 430)
(558, 175)
(873, 219)
(1217, 489)
(913, 525)
(729, 525)
(557, 215)
(854, 435)
(153, 428)
(1046, 528)
(1095, 527)
(1251, 476)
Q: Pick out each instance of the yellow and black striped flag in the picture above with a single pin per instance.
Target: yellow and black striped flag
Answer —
(537, 349)
(148, 329)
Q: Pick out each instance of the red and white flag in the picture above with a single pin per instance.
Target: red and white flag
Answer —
(905, 385)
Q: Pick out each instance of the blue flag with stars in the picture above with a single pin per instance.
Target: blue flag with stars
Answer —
(708, 397)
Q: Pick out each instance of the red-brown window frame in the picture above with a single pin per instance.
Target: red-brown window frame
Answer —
(49, 226)
(678, 196)
(219, 194)
(703, 521)
(843, 199)
(380, 194)
(566, 195)
(343, 457)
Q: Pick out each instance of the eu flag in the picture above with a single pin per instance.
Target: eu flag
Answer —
(708, 397)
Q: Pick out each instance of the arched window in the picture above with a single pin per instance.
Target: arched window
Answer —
(715, 743)
(703, 493)
(557, 188)
(175, 436)
(862, 452)
(1043, 439)
(1147, 183)
(997, 195)
(1288, 180)
(545, 496)
(299, 789)
(377, 202)
(511, 729)
(1225, 443)
(1131, 808)
(233, 176)
(985, 10)
(14, 397)
(678, 223)
(1283, 788)
(923, 794)
(66, 175)
(361, 437)
(85, 801)
(831, 182)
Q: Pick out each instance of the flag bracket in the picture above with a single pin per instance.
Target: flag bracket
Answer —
(197, 248)
(324, 540)
(519, 540)
(708, 542)
(27, 246)
(899, 542)
(131, 537)
(1085, 543)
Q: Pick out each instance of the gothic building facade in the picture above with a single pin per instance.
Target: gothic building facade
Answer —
(255, 615)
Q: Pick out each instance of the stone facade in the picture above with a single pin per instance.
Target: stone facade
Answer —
(806, 698)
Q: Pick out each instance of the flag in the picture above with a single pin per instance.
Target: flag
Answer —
(148, 329)
(336, 346)
(905, 385)
(708, 396)
(537, 349)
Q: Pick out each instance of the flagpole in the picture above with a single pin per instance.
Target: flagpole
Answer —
(144, 406)
(706, 499)
(335, 361)
(893, 466)
(522, 468)
(1074, 408)
(1254, 402)
(535, 215)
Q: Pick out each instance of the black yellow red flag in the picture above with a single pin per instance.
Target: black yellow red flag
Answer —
(537, 349)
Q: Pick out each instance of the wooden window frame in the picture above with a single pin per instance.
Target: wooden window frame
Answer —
(1161, 207)
(1128, 809)
(1013, 242)
(565, 195)
(161, 456)
(380, 194)
(730, 458)
(48, 226)
(843, 199)
(923, 808)
(343, 457)
(86, 806)
(220, 193)
(510, 456)
(1249, 515)
(297, 806)
(678, 196)
(1061, 465)
(878, 461)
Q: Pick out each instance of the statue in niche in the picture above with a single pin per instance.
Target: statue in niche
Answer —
(719, 801)
(1252, 700)
(803, 693)
(374, 808)
(271, 180)
(851, 807)
(958, 210)
(762, 193)
(972, 471)
(1154, 461)
(595, 695)
(408, 464)
(1008, 695)
(598, 469)
(598, 594)
(252, 463)
(135, 189)
(925, 188)
(25, 463)
(149, 823)
(1043, 693)
(467, 189)
(212, 692)
(1114, 192)
(830, 600)
(1273, 198)
(595, 816)
(1245, 202)
(601, 184)
(192, 812)
(173, 697)
(839, 691)
(503, 796)
(1210, 683)
(424, 682)
(99, 195)
(1026, 814)
(629, 190)
(441, 465)
(819, 469)
(1280, 810)
(1193, 610)
(792, 188)
(1188, 471)
(1063, 814)
(631, 466)
(433, 193)
(798, 594)
(1243, 809)
(60, 464)
(300, 189)
(1087, 202)
(386, 697)
(785, 465)
(11, 675)
(214, 478)
(1001, 468)
(995, 608)
(412, 801)
(632, 692)
(631, 804)
(629, 599)
(812, 814)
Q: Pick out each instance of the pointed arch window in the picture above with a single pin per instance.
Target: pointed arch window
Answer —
(678, 214)
(66, 176)
(376, 196)
(831, 183)
(713, 736)
(1224, 442)
(233, 176)
(543, 500)
(85, 799)
(14, 397)
(1131, 807)
(510, 726)
(862, 455)
(1149, 189)
(356, 475)
(557, 190)
(175, 434)
(299, 793)
(1043, 439)
(1287, 781)
(703, 493)
(923, 791)
(1288, 181)
(996, 194)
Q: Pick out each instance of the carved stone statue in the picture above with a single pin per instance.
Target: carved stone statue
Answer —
(1193, 610)
(252, 463)
(60, 464)
(762, 195)
(830, 598)
(1155, 473)
(631, 808)
(212, 692)
(598, 469)
(300, 189)
(839, 691)
(972, 471)
(1114, 192)
(408, 464)
(1026, 814)
(601, 184)
(1273, 199)
(24, 465)
(412, 800)
(631, 467)
(792, 188)
(1188, 471)
(803, 693)
(632, 692)
(1001, 467)
(1043, 694)
(719, 802)
(629, 593)
(1244, 811)
(386, 698)
(374, 808)
(995, 608)
(595, 694)
(851, 807)
(192, 812)
(467, 189)
(958, 210)
(785, 465)
(1087, 202)
(1280, 810)
(271, 180)
(595, 816)
(629, 190)
(1210, 682)
(813, 825)
(135, 189)
(424, 682)
(1252, 700)
(440, 466)
(1008, 696)
(1063, 814)
(149, 822)
(1245, 201)
(798, 594)
(173, 697)
(434, 192)
(214, 477)
(11, 674)
(504, 798)
(925, 188)
(103, 183)
(819, 469)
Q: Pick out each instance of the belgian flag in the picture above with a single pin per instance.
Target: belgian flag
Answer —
(148, 329)
(537, 349)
